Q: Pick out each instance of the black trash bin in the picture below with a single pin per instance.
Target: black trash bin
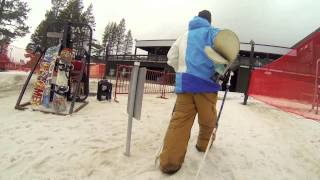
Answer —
(104, 90)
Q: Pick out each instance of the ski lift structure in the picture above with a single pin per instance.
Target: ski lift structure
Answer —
(78, 37)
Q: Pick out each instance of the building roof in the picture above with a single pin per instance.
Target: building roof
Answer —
(154, 43)
(263, 48)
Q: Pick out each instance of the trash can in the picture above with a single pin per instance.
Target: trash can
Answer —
(104, 90)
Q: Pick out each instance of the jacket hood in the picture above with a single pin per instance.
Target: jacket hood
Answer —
(198, 22)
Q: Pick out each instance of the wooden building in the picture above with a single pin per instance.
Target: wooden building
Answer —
(155, 58)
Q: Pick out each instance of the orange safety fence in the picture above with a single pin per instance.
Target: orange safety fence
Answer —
(96, 70)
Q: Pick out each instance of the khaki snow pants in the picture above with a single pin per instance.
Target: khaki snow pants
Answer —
(178, 133)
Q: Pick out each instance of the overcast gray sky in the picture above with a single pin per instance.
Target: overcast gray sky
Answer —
(277, 22)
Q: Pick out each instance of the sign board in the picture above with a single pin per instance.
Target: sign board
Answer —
(136, 89)
(54, 35)
(132, 90)
(139, 93)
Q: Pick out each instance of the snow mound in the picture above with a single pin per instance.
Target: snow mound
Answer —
(12, 80)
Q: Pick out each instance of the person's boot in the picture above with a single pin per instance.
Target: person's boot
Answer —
(201, 147)
(170, 169)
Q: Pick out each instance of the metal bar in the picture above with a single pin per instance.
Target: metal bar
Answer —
(315, 97)
(315, 86)
(116, 88)
(50, 112)
(22, 106)
(82, 106)
(267, 45)
(27, 81)
(246, 95)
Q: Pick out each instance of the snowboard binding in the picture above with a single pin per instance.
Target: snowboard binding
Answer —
(61, 90)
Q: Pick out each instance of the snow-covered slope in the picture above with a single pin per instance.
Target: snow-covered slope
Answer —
(11, 80)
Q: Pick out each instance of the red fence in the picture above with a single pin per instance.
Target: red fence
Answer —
(13, 67)
(289, 82)
(157, 82)
(96, 70)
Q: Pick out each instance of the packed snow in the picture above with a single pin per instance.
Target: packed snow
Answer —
(255, 141)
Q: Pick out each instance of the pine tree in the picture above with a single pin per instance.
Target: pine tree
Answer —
(58, 6)
(13, 15)
(72, 12)
(109, 38)
(106, 37)
(4, 53)
(128, 43)
(38, 37)
(120, 35)
(96, 48)
(63, 11)
(88, 17)
(106, 34)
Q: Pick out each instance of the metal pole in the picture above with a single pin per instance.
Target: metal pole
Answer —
(28, 80)
(131, 103)
(315, 96)
(129, 132)
(246, 95)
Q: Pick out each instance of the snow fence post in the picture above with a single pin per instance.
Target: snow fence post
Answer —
(252, 61)
(136, 89)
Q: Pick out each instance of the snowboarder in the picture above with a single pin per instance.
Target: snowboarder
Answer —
(196, 88)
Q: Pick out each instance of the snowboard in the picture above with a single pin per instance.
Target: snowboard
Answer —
(61, 86)
(44, 77)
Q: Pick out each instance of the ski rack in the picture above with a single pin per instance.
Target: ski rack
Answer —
(69, 29)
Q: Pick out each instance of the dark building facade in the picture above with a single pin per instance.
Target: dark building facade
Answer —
(155, 58)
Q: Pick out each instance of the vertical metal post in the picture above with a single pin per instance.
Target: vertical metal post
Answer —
(129, 132)
(315, 102)
(117, 87)
(252, 61)
(65, 39)
(135, 53)
(163, 85)
(130, 107)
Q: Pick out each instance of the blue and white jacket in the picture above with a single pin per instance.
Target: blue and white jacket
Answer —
(193, 68)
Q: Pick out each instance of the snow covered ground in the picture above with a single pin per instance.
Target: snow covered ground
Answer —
(255, 141)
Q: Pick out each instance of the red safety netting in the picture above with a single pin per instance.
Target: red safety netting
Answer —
(289, 82)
